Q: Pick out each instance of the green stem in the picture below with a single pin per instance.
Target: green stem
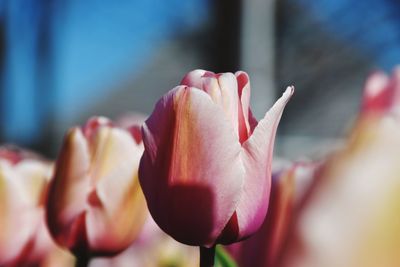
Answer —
(82, 261)
(207, 256)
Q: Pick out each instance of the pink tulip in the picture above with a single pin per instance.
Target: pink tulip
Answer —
(95, 204)
(206, 169)
(290, 188)
(381, 93)
(24, 239)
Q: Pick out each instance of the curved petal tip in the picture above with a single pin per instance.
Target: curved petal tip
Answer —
(289, 91)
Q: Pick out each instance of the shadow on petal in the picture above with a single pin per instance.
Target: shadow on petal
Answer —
(190, 217)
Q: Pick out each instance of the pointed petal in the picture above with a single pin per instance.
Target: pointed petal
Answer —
(191, 171)
(117, 210)
(257, 157)
(68, 189)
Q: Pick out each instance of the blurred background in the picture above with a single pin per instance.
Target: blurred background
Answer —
(62, 61)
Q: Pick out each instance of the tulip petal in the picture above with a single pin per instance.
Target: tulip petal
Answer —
(68, 192)
(257, 156)
(194, 79)
(211, 87)
(191, 171)
(230, 98)
(244, 104)
(93, 124)
(34, 178)
(243, 81)
(117, 206)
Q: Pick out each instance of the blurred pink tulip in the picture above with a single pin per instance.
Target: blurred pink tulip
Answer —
(24, 238)
(206, 169)
(351, 217)
(95, 205)
(289, 189)
(381, 93)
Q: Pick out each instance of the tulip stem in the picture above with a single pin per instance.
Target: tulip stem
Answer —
(82, 261)
(207, 256)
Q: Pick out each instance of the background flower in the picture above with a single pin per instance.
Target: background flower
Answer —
(95, 204)
(351, 215)
(290, 187)
(24, 178)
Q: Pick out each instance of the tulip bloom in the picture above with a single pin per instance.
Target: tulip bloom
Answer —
(95, 204)
(24, 239)
(206, 169)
